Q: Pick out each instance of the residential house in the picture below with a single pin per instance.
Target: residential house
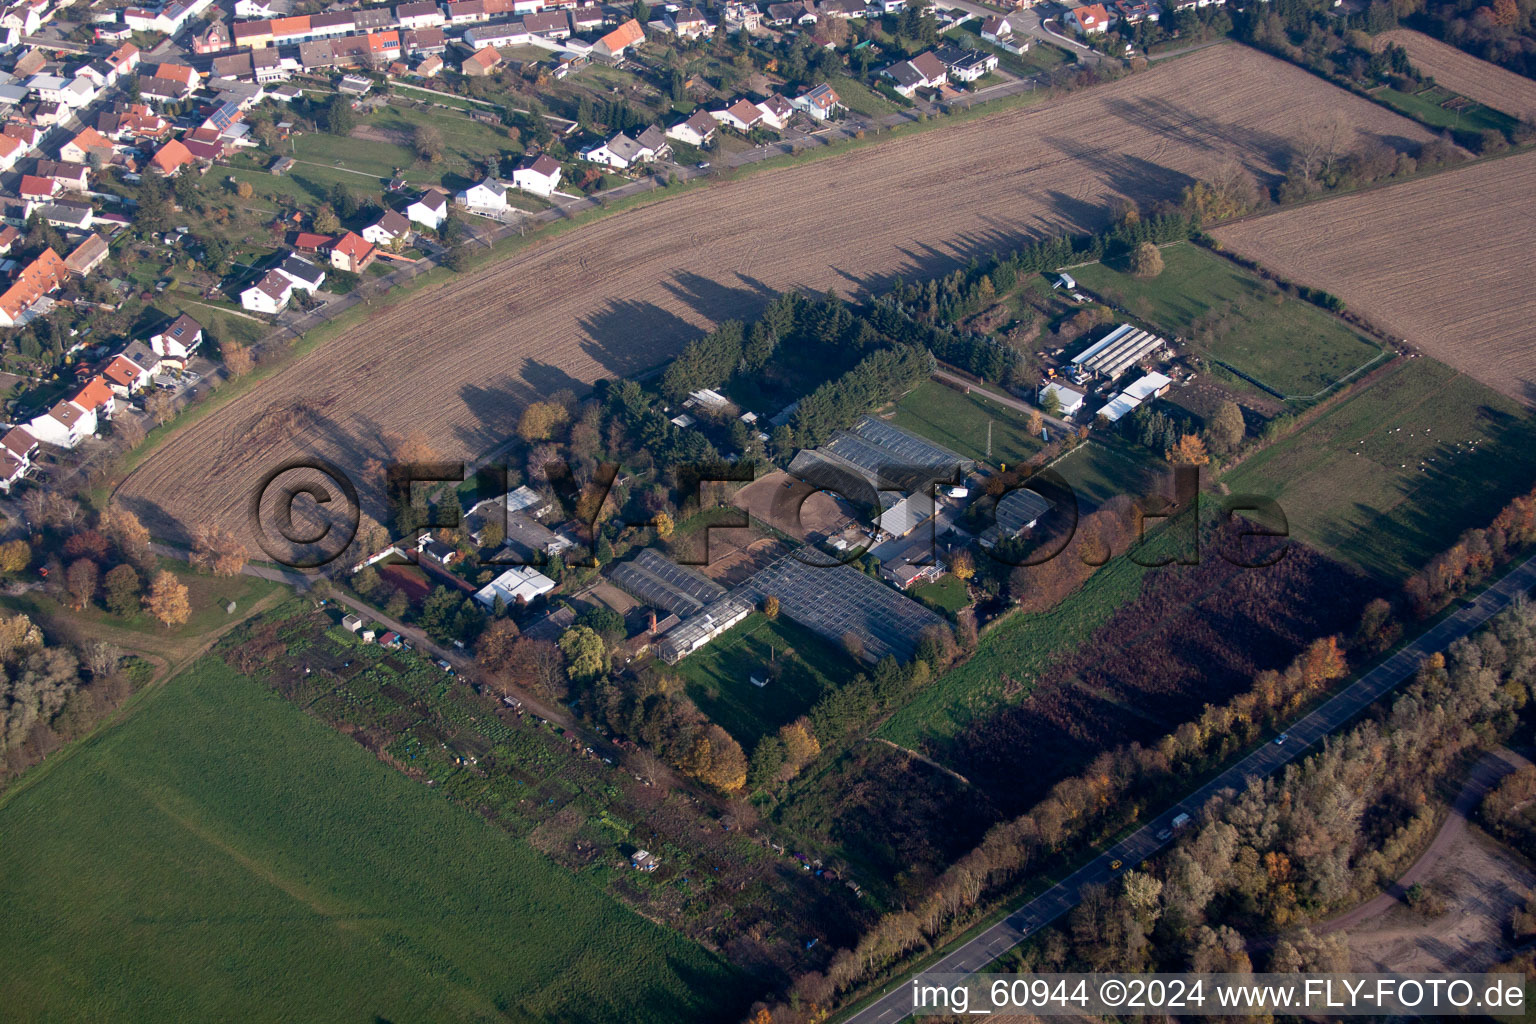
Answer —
(87, 256)
(424, 14)
(620, 152)
(71, 177)
(268, 295)
(925, 71)
(97, 397)
(36, 191)
(178, 339)
(697, 130)
(996, 29)
(352, 253)
(215, 38)
(548, 25)
(1133, 12)
(965, 65)
(776, 112)
(126, 377)
(688, 23)
(78, 150)
(63, 426)
(67, 216)
(613, 46)
(743, 115)
(17, 450)
(430, 210)
(481, 63)
(124, 59)
(539, 175)
(388, 229)
(11, 150)
(489, 194)
(655, 140)
(801, 12)
(820, 102)
(1089, 19)
(171, 157)
(36, 279)
(302, 274)
(426, 41)
(431, 67)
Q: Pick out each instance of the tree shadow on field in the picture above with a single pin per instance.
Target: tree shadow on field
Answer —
(627, 336)
(1077, 214)
(1165, 119)
(716, 300)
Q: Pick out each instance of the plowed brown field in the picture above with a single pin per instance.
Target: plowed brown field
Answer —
(627, 292)
(1461, 72)
(1444, 262)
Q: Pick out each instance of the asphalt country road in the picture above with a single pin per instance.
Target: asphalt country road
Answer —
(977, 953)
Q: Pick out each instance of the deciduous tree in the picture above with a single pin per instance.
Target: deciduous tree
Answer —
(168, 600)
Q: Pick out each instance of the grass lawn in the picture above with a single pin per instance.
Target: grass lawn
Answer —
(222, 856)
(860, 98)
(208, 596)
(946, 595)
(1393, 474)
(1424, 106)
(1021, 646)
(959, 421)
(718, 676)
(1291, 346)
(1098, 471)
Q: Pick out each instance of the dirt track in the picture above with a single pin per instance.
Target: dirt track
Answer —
(625, 293)
(1444, 262)
(1461, 72)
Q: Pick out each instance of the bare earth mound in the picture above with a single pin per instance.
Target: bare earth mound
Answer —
(1461, 72)
(1444, 262)
(627, 292)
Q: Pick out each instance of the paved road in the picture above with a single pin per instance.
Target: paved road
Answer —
(976, 954)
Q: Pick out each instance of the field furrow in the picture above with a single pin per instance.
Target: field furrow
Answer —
(627, 292)
(1444, 261)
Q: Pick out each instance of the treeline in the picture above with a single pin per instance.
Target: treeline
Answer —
(877, 378)
(972, 351)
(1466, 565)
(1108, 796)
(50, 693)
(1324, 834)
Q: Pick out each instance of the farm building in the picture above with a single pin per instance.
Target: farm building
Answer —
(644, 860)
(883, 456)
(1150, 386)
(1118, 351)
(687, 637)
(521, 583)
(840, 601)
(1071, 401)
(650, 577)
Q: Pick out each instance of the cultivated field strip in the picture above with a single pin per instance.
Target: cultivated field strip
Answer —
(1461, 72)
(1444, 262)
(625, 293)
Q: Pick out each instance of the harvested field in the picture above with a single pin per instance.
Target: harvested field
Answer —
(1442, 262)
(625, 293)
(1461, 72)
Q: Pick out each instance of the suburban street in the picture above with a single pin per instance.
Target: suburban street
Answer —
(978, 952)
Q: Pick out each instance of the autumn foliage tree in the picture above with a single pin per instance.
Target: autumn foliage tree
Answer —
(81, 580)
(216, 550)
(15, 555)
(1190, 451)
(238, 359)
(1146, 261)
(541, 421)
(168, 600)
